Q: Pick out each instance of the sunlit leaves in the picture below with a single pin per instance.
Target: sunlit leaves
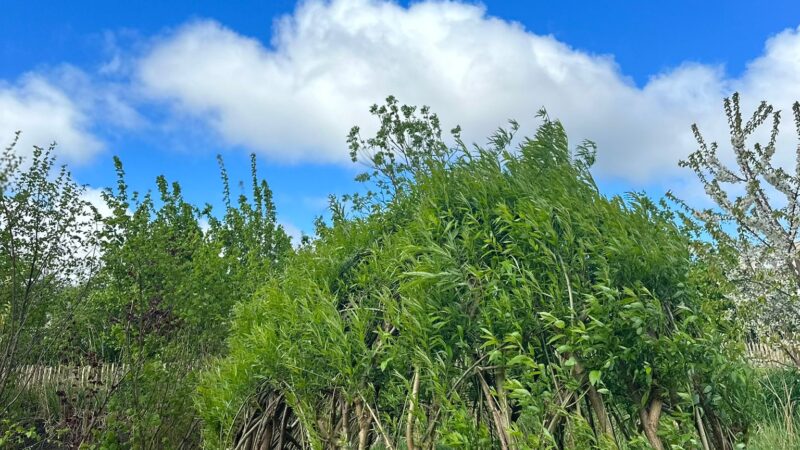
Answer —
(498, 273)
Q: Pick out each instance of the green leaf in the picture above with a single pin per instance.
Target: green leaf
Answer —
(594, 377)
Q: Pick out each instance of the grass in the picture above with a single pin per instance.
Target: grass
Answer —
(778, 428)
(775, 435)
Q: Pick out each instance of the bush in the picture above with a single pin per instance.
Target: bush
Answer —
(483, 299)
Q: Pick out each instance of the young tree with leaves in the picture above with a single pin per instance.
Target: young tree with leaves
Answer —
(48, 252)
(167, 290)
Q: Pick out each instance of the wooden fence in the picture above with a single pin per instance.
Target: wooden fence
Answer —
(64, 376)
(779, 354)
(106, 375)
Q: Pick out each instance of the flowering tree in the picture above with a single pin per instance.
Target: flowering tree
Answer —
(757, 216)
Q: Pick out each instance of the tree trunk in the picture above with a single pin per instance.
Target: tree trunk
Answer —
(649, 416)
(600, 412)
(596, 402)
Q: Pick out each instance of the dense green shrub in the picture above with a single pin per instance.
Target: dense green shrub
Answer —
(155, 304)
(478, 299)
(165, 294)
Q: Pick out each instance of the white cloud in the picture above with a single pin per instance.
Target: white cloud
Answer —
(106, 102)
(45, 113)
(295, 99)
(204, 224)
(95, 197)
(294, 233)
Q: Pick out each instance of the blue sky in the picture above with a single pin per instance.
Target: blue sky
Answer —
(168, 85)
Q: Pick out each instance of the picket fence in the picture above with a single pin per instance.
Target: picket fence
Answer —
(65, 376)
(106, 375)
(772, 354)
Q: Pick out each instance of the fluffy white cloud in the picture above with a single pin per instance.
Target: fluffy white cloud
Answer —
(95, 197)
(296, 99)
(294, 233)
(45, 113)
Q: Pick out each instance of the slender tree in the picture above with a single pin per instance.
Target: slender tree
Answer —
(756, 216)
(48, 238)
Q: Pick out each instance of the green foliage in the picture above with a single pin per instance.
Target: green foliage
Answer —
(168, 287)
(47, 234)
(479, 299)
(151, 295)
(485, 297)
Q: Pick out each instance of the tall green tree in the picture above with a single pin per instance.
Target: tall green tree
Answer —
(147, 290)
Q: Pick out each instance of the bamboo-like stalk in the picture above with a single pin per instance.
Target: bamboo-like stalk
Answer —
(502, 433)
(701, 430)
(411, 406)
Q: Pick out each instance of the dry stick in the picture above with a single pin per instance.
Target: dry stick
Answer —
(569, 289)
(716, 428)
(293, 440)
(345, 420)
(243, 440)
(257, 427)
(262, 429)
(502, 400)
(718, 434)
(551, 427)
(590, 417)
(402, 414)
(270, 411)
(362, 430)
(333, 423)
(599, 408)
(333, 419)
(378, 424)
(498, 421)
(789, 353)
(238, 412)
(266, 443)
(188, 433)
(411, 405)
(620, 423)
(556, 420)
(430, 436)
(282, 429)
